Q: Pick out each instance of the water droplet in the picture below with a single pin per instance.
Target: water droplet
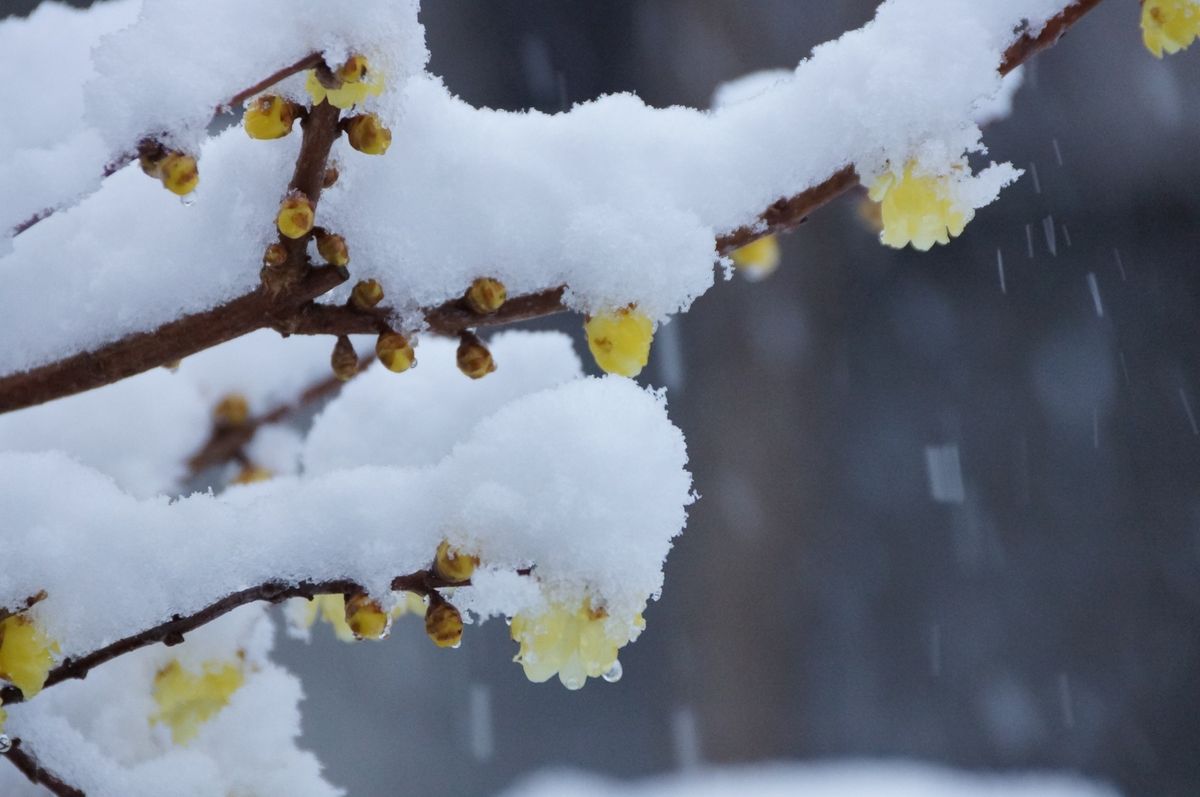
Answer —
(187, 200)
(456, 645)
(573, 682)
(5, 744)
(508, 621)
(613, 673)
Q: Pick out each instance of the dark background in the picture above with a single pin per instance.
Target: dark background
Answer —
(822, 603)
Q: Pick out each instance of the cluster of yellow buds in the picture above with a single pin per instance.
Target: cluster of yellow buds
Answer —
(474, 358)
(395, 352)
(361, 617)
(177, 171)
(1169, 26)
(297, 215)
(186, 700)
(352, 83)
(486, 295)
(268, 117)
(367, 134)
(917, 209)
(26, 654)
(757, 259)
(574, 643)
(620, 340)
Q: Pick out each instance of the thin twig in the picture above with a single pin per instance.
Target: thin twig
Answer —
(143, 351)
(25, 761)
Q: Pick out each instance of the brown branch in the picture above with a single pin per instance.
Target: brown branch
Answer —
(172, 632)
(27, 763)
(139, 352)
(125, 158)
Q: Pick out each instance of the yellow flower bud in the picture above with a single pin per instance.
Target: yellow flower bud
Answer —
(474, 358)
(395, 352)
(344, 359)
(1169, 26)
(486, 295)
(917, 209)
(453, 565)
(232, 410)
(296, 215)
(367, 134)
(179, 174)
(187, 700)
(275, 256)
(757, 259)
(366, 618)
(444, 625)
(354, 70)
(333, 249)
(330, 177)
(26, 654)
(268, 117)
(620, 341)
(366, 294)
(251, 474)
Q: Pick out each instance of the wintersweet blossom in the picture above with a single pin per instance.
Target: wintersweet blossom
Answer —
(186, 700)
(577, 644)
(918, 208)
(1169, 26)
(358, 83)
(26, 654)
(757, 259)
(620, 340)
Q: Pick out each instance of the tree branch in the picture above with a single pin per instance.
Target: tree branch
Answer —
(143, 351)
(27, 763)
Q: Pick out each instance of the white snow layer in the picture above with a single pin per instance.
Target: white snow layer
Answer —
(584, 481)
(837, 779)
(619, 201)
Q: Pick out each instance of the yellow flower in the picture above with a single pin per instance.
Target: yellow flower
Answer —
(577, 644)
(348, 94)
(917, 209)
(1169, 25)
(620, 341)
(26, 654)
(757, 259)
(187, 700)
(268, 117)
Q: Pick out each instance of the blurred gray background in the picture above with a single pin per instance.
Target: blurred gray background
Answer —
(945, 515)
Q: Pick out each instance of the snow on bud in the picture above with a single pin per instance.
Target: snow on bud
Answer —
(367, 134)
(453, 565)
(268, 117)
(26, 654)
(366, 294)
(486, 295)
(296, 215)
(366, 618)
(395, 352)
(332, 248)
(620, 340)
(757, 259)
(918, 209)
(187, 700)
(344, 359)
(231, 410)
(474, 358)
(179, 173)
(1169, 26)
(444, 624)
(252, 474)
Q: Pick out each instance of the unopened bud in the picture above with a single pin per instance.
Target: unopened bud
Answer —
(486, 295)
(354, 70)
(332, 248)
(268, 117)
(444, 625)
(179, 173)
(344, 359)
(453, 565)
(250, 474)
(474, 359)
(366, 294)
(367, 134)
(330, 177)
(296, 215)
(395, 352)
(366, 617)
(275, 256)
(232, 410)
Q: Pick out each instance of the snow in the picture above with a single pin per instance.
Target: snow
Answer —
(835, 779)
(596, 518)
(619, 201)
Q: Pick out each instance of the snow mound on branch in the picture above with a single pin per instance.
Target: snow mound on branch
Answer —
(585, 481)
(841, 779)
(616, 200)
(97, 735)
